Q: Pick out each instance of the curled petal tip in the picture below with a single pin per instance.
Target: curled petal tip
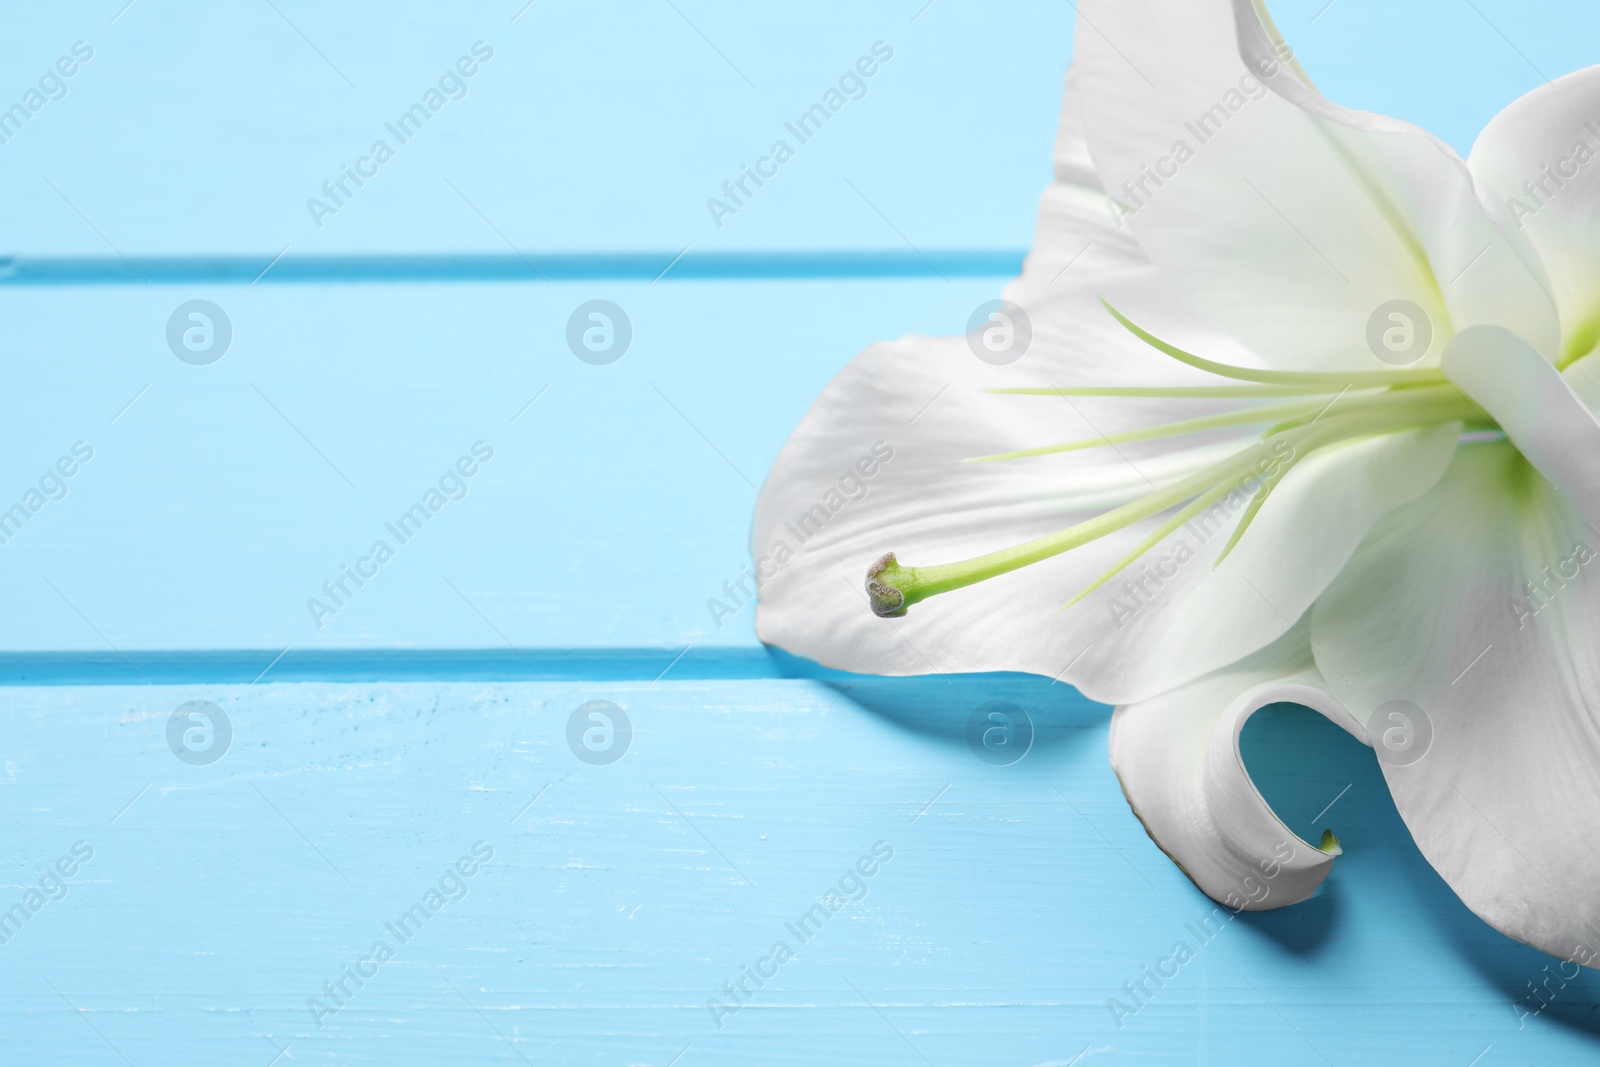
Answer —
(1330, 844)
(888, 602)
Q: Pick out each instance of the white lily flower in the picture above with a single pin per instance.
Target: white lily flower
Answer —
(1306, 415)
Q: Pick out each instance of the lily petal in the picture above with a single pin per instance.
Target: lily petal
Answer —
(1289, 222)
(1537, 159)
(1535, 405)
(1072, 219)
(1468, 628)
(1178, 759)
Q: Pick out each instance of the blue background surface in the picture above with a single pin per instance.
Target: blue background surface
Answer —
(620, 898)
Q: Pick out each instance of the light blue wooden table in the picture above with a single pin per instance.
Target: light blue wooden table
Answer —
(404, 769)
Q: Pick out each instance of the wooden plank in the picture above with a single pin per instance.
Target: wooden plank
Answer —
(1018, 902)
(221, 497)
(594, 126)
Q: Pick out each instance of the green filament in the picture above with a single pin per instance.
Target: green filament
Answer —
(1180, 392)
(1329, 381)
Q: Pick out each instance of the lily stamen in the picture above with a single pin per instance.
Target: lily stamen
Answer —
(893, 587)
